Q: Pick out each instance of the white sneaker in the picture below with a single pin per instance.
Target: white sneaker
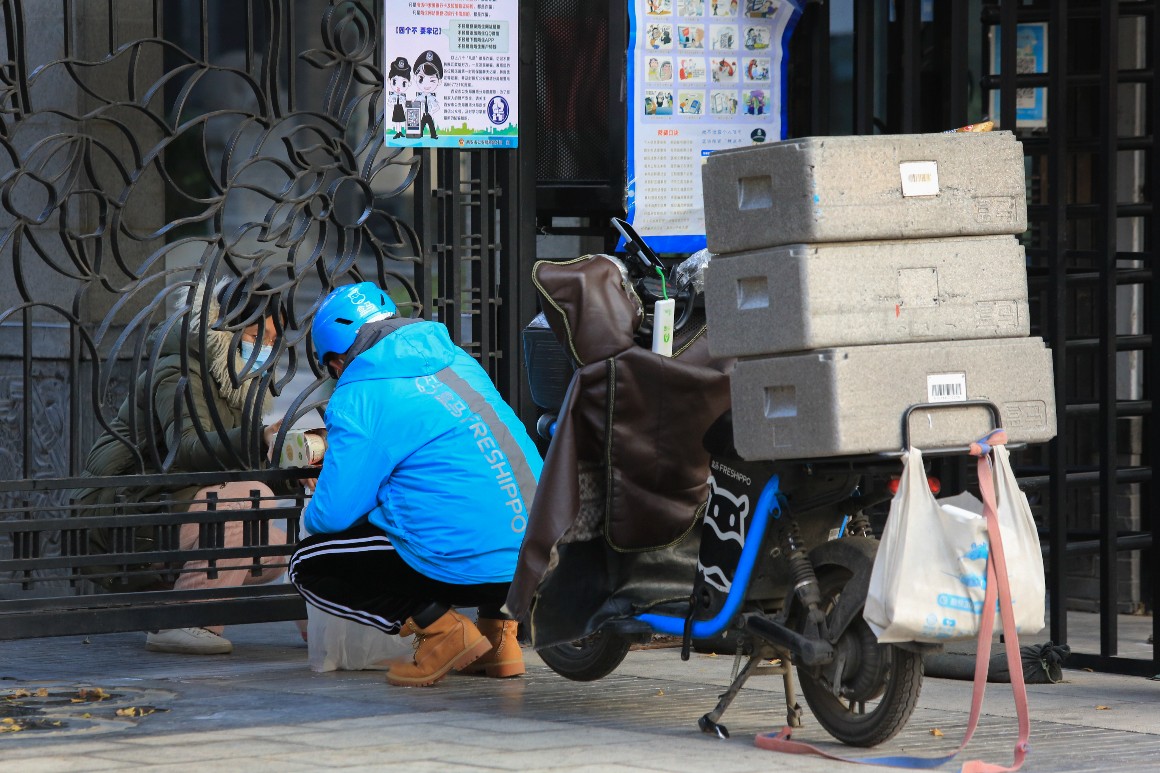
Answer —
(188, 641)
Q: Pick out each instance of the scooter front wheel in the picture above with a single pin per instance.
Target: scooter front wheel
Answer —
(588, 659)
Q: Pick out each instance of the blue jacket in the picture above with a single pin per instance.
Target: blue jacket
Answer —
(421, 444)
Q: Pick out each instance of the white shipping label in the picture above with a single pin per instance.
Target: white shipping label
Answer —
(919, 178)
(946, 387)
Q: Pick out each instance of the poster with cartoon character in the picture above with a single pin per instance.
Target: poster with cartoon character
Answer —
(727, 61)
(398, 81)
(451, 74)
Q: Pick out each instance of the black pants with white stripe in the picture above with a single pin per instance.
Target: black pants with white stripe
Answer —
(357, 574)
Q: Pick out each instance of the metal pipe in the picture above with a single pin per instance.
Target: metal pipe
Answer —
(864, 67)
(1107, 196)
(1057, 37)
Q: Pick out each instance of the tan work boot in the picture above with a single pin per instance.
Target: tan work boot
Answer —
(505, 659)
(450, 642)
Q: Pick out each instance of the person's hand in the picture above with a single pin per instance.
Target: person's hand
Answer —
(308, 483)
(269, 432)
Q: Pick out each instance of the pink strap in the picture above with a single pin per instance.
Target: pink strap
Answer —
(997, 586)
(997, 575)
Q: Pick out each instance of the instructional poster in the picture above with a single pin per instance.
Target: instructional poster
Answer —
(1030, 57)
(451, 73)
(703, 75)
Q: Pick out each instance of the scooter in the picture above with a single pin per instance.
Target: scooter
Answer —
(778, 560)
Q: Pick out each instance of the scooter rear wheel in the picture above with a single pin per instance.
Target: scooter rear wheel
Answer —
(588, 659)
(879, 686)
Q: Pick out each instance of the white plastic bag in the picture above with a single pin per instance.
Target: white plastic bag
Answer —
(929, 576)
(338, 644)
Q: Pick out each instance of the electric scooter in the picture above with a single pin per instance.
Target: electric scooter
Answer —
(777, 562)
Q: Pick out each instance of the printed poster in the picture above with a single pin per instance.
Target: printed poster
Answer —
(703, 75)
(1030, 57)
(451, 72)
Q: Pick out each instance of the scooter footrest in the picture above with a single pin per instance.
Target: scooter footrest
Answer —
(808, 652)
(634, 630)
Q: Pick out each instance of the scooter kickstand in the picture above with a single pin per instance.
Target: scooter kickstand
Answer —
(709, 722)
(793, 716)
(709, 726)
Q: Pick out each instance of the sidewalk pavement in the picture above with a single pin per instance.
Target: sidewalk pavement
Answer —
(262, 709)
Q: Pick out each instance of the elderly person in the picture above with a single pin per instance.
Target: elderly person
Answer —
(174, 421)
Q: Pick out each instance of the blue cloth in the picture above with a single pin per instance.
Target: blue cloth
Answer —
(421, 444)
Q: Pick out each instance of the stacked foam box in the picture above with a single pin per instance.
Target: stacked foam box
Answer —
(857, 277)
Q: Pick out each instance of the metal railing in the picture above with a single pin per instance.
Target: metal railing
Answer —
(151, 153)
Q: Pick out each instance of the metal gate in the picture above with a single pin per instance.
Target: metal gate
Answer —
(149, 149)
(1080, 75)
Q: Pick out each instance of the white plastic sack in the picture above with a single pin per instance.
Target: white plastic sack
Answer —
(338, 644)
(929, 576)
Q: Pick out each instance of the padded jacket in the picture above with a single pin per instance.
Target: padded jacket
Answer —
(421, 445)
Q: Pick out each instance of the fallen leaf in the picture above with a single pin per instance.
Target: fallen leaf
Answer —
(1089, 670)
(660, 692)
(86, 715)
(94, 694)
(14, 726)
(20, 693)
(936, 732)
(42, 692)
(1103, 708)
(8, 721)
(134, 711)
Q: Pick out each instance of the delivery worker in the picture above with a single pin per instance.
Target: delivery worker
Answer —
(422, 500)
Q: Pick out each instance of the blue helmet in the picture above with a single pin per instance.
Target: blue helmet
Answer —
(343, 312)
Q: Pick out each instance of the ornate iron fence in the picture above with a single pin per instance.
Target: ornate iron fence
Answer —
(157, 158)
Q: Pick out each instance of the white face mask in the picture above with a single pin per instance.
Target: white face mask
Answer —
(264, 354)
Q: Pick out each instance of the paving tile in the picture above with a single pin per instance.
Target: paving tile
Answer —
(12, 747)
(204, 737)
(355, 739)
(422, 766)
(590, 751)
(596, 769)
(502, 724)
(58, 764)
(384, 754)
(200, 752)
(558, 738)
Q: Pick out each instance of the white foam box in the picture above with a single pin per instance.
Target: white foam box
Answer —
(842, 189)
(814, 296)
(851, 400)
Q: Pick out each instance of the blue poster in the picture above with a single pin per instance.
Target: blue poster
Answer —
(1030, 57)
(703, 75)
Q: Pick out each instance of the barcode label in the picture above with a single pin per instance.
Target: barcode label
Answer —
(919, 178)
(946, 388)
